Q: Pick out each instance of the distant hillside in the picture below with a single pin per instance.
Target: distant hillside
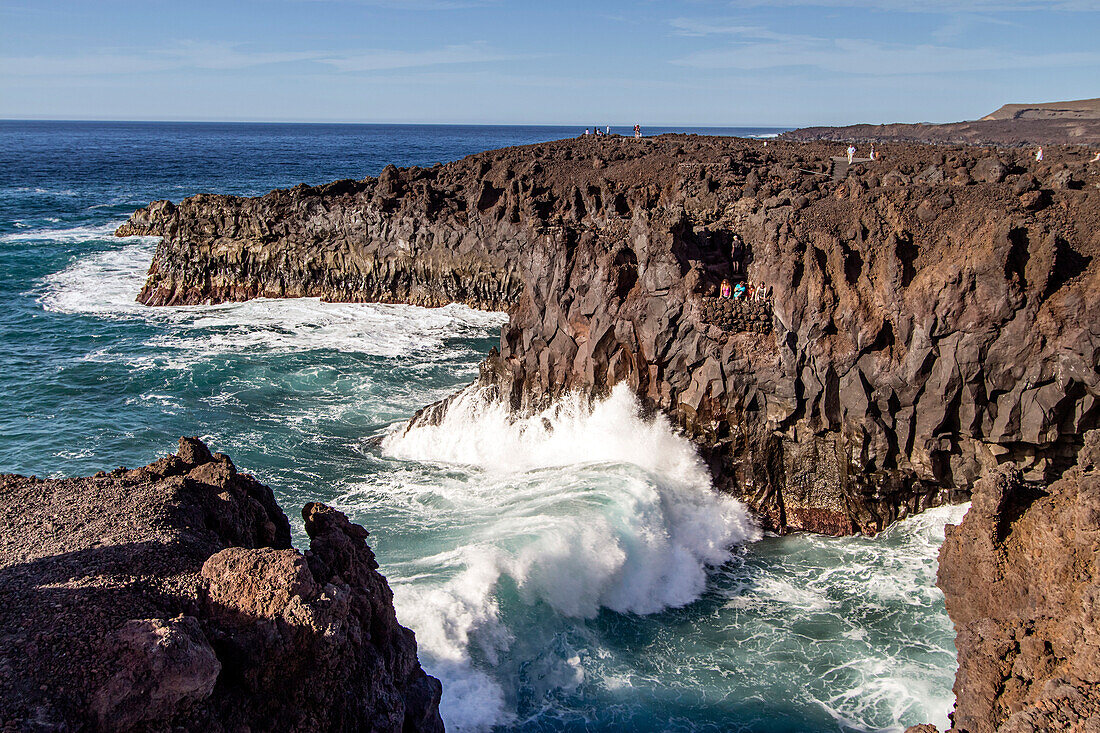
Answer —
(1013, 125)
(1081, 109)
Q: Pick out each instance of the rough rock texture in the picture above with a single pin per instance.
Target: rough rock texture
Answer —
(1021, 576)
(933, 313)
(168, 597)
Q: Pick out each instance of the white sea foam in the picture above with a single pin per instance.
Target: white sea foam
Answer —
(105, 285)
(69, 235)
(912, 672)
(583, 506)
(102, 284)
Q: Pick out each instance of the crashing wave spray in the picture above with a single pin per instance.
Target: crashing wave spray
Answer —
(583, 506)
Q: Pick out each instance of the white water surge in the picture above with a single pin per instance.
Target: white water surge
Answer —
(106, 285)
(583, 506)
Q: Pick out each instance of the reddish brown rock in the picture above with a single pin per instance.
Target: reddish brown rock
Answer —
(169, 597)
(925, 324)
(1021, 579)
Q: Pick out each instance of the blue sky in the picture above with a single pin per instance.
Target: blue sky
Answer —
(686, 62)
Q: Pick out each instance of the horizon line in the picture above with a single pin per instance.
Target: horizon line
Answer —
(427, 124)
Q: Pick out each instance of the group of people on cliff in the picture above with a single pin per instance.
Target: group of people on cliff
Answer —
(607, 131)
(749, 290)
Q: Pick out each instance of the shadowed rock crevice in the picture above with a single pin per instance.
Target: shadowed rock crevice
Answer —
(929, 317)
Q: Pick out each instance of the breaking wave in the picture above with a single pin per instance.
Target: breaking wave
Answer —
(583, 506)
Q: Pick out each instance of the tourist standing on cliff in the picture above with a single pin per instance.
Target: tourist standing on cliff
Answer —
(851, 153)
(637, 130)
(1039, 155)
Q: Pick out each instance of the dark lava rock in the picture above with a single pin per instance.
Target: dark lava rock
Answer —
(989, 170)
(169, 598)
(919, 333)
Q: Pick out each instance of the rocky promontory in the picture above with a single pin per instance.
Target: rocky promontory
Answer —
(1021, 577)
(932, 314)
(169, 598)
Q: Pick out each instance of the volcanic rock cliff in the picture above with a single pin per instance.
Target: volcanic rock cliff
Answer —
(1021, 577)
(932, 313)
(169, 598)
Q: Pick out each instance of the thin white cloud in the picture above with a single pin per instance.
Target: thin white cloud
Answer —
(416, 4)
(225, 56)
(935, 6)
(378, 60)
(753, 48)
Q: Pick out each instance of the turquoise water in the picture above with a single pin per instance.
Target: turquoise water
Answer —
(581, 577)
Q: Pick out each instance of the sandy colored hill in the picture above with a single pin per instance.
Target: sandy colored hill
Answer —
(1080, 109)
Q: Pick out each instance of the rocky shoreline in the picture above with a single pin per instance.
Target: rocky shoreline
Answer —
(933, 313)
(169, 597)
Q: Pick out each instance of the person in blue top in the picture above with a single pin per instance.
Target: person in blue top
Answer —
(739, 291)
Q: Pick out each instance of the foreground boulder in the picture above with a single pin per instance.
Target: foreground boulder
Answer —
(169, 597)
(1021, 576)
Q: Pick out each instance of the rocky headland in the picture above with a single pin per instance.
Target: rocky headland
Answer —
(1021, 576)
(169, 597)
(932, 314)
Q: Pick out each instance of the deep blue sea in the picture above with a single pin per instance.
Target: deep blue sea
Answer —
(578, 578)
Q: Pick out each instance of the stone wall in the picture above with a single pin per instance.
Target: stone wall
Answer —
(734, 315)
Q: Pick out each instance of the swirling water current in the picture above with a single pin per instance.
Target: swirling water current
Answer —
(568, 572)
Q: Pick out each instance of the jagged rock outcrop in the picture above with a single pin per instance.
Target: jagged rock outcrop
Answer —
(169, 598)
(1021, 577)
(934, 312)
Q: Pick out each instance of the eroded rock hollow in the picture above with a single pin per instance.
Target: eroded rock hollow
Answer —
(932, 313)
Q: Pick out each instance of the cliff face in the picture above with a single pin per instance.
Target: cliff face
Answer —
(1022, 582)
(169, 597)
(933, 313)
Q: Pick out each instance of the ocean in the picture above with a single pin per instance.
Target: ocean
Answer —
(571, 571)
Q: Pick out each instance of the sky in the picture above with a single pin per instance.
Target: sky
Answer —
(682, 62)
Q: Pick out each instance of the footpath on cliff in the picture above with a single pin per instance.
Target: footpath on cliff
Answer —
(932, 313)
(169, 597)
